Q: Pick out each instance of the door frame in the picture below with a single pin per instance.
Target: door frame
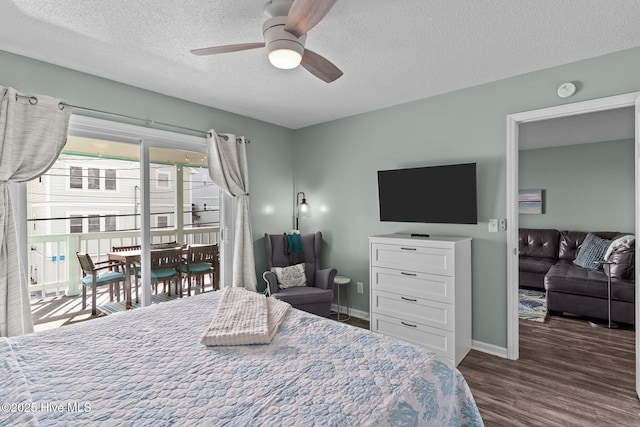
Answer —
(513, 122)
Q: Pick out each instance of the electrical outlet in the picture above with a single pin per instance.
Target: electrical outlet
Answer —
(493, 225)
(502, 224)
(360, 287)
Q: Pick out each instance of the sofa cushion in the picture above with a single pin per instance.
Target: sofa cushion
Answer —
(535, 265)
(591, 251)
(623, 266)
(566, 277)
(538, 243)
(570, 241)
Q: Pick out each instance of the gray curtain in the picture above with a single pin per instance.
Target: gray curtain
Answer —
(33, 131)
(229, 170)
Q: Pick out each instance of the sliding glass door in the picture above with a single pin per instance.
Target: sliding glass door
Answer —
(118, 185)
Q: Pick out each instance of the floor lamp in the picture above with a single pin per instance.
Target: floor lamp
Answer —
(609, 324)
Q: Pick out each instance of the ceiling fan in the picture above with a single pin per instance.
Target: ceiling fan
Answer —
(285, 32)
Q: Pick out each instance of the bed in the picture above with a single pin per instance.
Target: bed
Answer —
(147, 367)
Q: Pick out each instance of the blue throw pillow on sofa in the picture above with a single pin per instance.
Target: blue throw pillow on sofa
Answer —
(592, 249)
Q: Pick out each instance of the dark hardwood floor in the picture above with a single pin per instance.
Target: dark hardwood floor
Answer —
(353, 321)
(569, 374)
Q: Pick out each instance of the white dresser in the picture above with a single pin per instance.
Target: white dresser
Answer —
(421, 291)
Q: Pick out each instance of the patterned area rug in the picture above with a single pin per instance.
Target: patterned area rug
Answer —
(533, 306)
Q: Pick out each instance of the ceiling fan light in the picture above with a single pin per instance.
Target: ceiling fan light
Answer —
(285, 59)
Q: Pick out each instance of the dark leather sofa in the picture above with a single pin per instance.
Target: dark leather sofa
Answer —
(546, 264)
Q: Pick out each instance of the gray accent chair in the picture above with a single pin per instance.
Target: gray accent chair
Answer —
(317, 296)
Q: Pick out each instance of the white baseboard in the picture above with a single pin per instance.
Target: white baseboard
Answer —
(364, 315)
(489, 349)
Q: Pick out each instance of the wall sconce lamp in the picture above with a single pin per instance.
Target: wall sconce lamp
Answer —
(302, 207)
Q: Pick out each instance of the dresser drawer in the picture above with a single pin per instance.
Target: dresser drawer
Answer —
(430, 313)
(437, 340)
(433, 260)
(421, 285)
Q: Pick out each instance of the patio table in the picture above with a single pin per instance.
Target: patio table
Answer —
(131, 257)
(128, 258)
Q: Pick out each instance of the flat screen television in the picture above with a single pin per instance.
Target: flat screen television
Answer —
(435, 194)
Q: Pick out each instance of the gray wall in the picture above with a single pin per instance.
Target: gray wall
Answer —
(341, 158)
(338, 160)
(269, 154)
(588, 187)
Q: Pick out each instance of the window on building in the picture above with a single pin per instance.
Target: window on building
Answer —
(75, 177)
(94, 223)
(110, 179)
(110, 223)
(75, 224)
(93, 178)
(162, 179)
(162, 221)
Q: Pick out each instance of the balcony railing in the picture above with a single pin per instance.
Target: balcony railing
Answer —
(53, 264)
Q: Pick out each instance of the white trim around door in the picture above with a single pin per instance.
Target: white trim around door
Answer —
(637, 156)
(513, 122)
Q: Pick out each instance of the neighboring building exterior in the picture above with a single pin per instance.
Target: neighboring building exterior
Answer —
(82, 194)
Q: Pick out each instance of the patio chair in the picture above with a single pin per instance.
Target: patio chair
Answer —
(93, 279)
(314, 297)
(132, 268)
(126, 248)
(201, 259)
(165, 267)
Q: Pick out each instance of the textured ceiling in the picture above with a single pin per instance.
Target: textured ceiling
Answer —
(391, 52)
(601, 126)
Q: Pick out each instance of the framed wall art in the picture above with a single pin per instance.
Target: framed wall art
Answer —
(530, 201)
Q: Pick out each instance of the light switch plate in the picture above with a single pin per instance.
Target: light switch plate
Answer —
(493, 225)
(360, 287)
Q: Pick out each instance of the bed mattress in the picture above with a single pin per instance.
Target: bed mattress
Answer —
(147, 367)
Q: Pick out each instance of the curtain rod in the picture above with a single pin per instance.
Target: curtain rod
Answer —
(33, 101)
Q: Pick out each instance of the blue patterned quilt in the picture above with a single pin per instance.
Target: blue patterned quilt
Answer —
(146, 367)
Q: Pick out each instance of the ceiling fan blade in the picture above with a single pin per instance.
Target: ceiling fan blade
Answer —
(305, 14)
(225, 49)
(320, 67)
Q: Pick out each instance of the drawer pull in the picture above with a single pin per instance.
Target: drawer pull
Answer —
(408, 249)
(408, 274)
(409, 299)
(408, 324)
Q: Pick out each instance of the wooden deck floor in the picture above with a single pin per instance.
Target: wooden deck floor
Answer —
(54, 311)
(569, 374)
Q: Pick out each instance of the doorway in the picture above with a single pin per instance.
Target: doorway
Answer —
(513, 133)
